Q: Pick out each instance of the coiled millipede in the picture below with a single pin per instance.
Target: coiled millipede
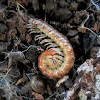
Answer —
(58, 58)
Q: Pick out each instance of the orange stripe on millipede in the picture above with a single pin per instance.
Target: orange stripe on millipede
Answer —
(40, 19)
(42, 69)
(68, 51)
(53, 35)
(73, 58)
(68, 66)
(52, 53)
(50, 26)
(48, 52)
(48, 74)
(41, 56)
(40, 62)
(42, 27)
(44, 52)
(47, 31)
(67, 41)
(62, 72)
(64, 44)
(69, 59)
(45, 23)
(56, 75)
(58, 39)
(72, 49)
(37, 23)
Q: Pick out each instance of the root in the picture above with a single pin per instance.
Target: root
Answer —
(6, 85)
(95, 4)
(18, 9)
(82, 26)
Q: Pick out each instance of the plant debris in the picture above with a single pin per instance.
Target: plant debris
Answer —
(78, 20)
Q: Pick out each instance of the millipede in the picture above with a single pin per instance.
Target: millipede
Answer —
(58, 58)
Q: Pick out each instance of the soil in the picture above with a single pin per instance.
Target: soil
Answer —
(19, 61)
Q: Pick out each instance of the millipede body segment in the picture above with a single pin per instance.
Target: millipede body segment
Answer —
(58, 58)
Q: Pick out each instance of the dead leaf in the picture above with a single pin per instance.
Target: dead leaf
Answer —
(28, 38)
(19, 81)
(96, 28)
(38, 96)
(83, 30)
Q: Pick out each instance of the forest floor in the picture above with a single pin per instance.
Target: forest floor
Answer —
(78, 20)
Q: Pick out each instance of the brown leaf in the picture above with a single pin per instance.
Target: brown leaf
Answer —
(28, 38)
(19, 81)
(96, 28)
(83, 30)
(2, 36)
(38, 96)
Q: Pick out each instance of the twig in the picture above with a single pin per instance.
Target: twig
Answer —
(97, 7)
(84, 21)
(95, 4)
(91, 31)
(51, 96)
(18, 8)
(1, 75)
(82, 26)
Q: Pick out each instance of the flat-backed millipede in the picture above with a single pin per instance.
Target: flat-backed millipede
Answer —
(58, 58)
